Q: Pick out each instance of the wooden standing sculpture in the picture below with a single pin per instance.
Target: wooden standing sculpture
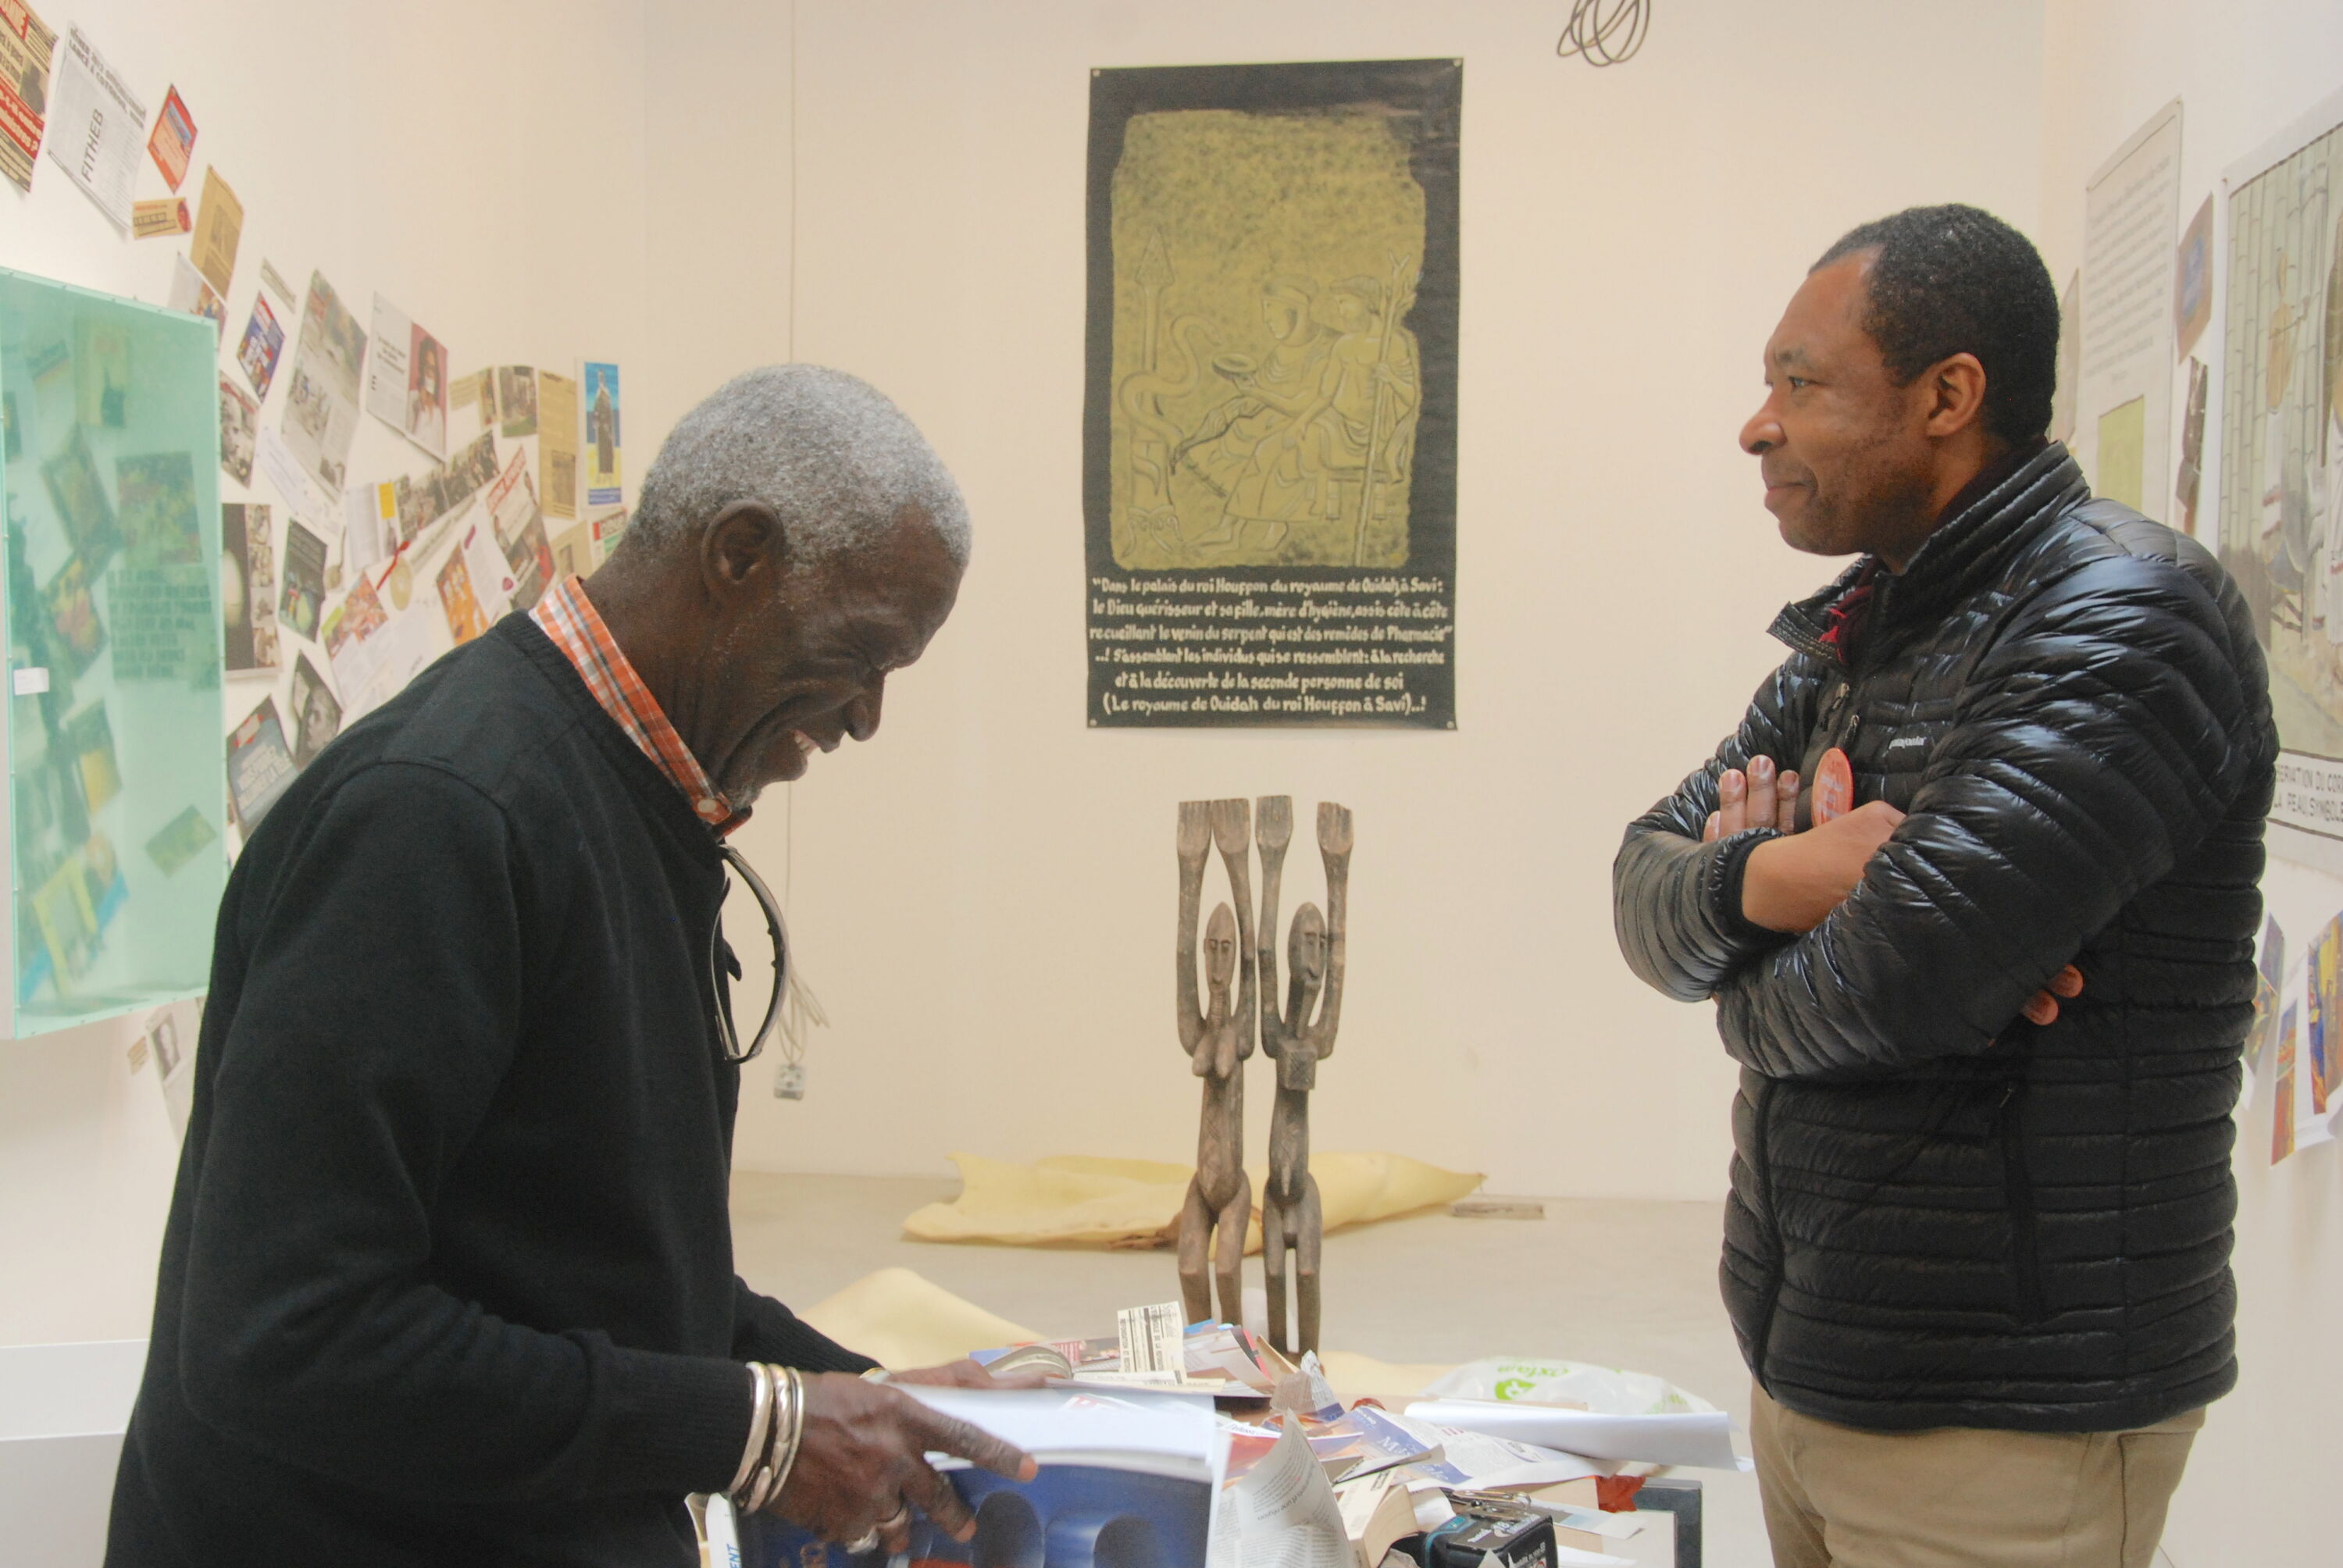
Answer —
(1219, 1038)
(1298, 1042)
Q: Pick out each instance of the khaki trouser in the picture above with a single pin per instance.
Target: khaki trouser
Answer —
(1957, 1497)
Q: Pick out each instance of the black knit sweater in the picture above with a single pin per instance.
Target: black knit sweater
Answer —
(448, 1271)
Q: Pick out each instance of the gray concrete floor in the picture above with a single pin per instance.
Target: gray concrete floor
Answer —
(1628, 1284)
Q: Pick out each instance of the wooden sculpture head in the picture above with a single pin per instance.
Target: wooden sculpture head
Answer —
(1219, 962)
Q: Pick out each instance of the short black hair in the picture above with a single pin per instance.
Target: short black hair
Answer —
(1951, 280)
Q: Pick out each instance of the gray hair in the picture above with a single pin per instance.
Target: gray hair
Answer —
(834, 457)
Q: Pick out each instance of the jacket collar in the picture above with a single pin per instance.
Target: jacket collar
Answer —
(1962, 556)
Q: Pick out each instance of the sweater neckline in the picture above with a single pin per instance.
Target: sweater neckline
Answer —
(666, 803)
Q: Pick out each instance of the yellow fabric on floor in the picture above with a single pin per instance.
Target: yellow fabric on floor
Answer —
(1078, 1198)
(901, 1318)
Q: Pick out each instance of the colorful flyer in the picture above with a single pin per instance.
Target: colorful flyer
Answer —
(465, 620)
(160, 217)
(2282, 1114)
(26, 50)
(602, 486)
(173, 140)
(305, 580)
(264, 340)
(220, 230)
(259, 765)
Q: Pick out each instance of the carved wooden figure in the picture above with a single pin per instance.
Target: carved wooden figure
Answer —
(1219, 1037)
(1298, 1040)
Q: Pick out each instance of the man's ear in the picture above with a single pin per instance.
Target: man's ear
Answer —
(744, 547)
(1955, 395)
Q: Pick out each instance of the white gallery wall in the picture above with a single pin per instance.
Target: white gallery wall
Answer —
(984, 896)
(2243, 71)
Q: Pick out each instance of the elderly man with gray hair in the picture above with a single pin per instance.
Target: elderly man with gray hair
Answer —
(447, 1276)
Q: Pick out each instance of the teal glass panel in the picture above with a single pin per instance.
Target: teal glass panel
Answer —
(117, 795)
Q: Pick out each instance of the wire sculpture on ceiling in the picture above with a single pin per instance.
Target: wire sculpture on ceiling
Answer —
(1604, 36)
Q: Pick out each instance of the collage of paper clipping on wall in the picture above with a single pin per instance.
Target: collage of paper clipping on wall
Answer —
(340, 579)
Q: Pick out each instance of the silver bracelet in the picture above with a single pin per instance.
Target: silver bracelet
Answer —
(765, 1487)
(797, 1428)
(761, 1415)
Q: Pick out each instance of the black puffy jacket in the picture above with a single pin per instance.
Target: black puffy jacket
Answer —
(1943, 1215)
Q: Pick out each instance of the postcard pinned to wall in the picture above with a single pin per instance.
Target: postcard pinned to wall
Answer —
(406, 379)
(603, 488)
(2277, 476)
(515, 402)
(191, 294)
(94, 123)
(259, 765)
(264, 341)
(316, 712)
(27, 48)
(219, 231)
(248, 587)
(557, 443)
(239, 431)
(519, 528)
(156, 219)
(1268, 455)
(321, 417)
(173, 140)
(305, 581)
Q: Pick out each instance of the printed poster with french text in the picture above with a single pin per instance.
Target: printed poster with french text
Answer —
(1270, 424)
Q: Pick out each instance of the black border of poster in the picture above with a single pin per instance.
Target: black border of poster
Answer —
(1428, 94)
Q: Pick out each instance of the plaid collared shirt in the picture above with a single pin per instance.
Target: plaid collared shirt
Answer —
(568, 617)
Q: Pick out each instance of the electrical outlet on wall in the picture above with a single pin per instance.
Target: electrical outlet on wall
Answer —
(790, 1083)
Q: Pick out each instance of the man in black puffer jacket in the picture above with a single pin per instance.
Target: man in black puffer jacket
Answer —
(1987, 970)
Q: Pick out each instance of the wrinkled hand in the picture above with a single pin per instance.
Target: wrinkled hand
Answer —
(965, 1373)
(861, 1463)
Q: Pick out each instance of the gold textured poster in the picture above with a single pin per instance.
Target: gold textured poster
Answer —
(1270, 437)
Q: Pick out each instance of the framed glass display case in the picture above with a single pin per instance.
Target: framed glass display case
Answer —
(116, 798)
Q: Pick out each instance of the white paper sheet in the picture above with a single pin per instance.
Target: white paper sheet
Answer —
(1281, 1514)
(1704, 1440)
(371, 670)
(96, 130)
(300, 493)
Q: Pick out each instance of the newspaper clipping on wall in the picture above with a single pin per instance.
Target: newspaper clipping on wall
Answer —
(321, 415)
(26, 50)
(406, 379)
(1270, 424)
(94, 125)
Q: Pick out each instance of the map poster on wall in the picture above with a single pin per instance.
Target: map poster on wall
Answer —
(2280, 484)
(1269, 434)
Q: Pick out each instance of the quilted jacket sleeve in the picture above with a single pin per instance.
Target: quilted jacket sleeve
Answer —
(1664, 884)
(2107, 730)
